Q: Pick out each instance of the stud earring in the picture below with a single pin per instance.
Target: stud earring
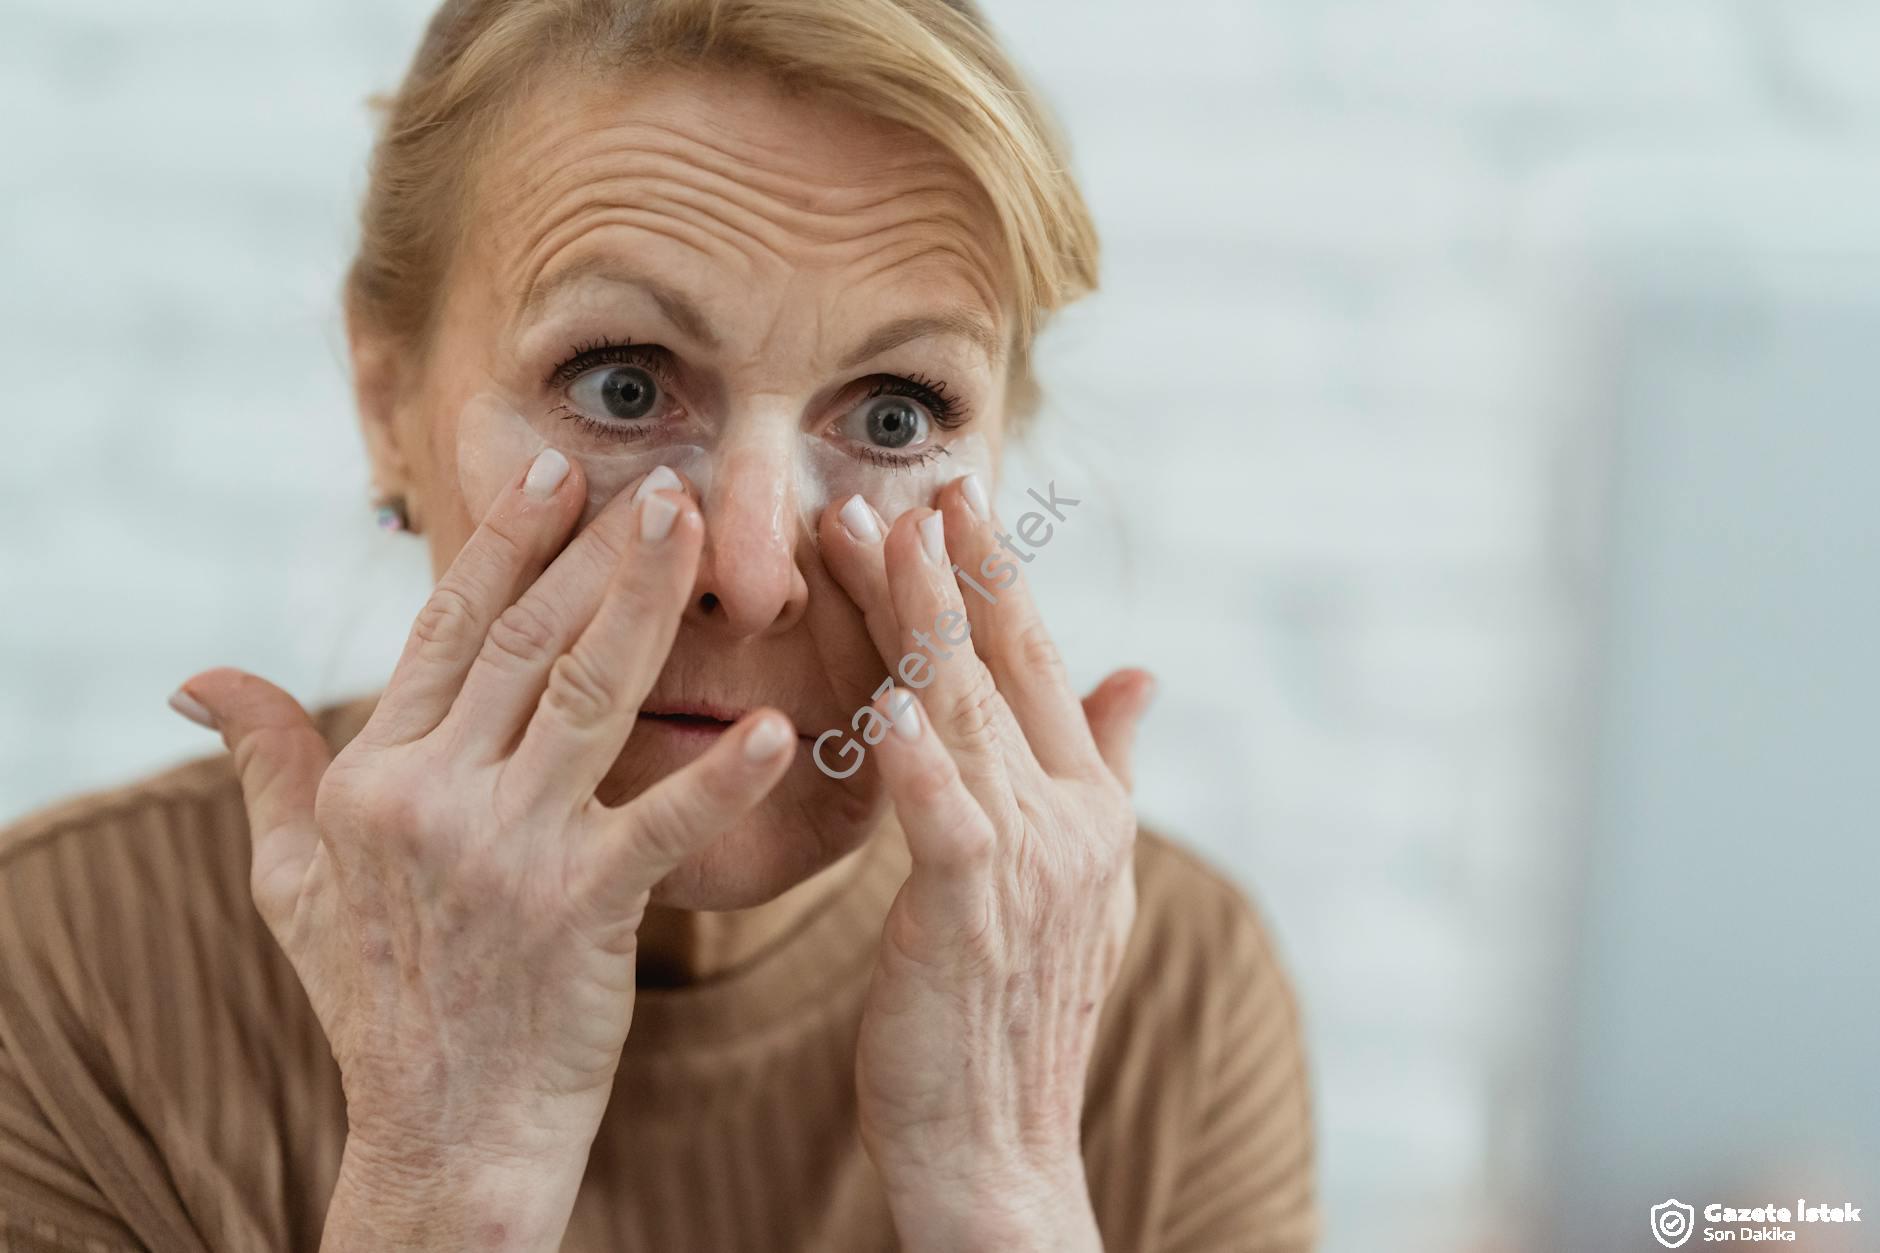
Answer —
(392, 514)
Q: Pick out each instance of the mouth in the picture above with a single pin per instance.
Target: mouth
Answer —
(692, 719)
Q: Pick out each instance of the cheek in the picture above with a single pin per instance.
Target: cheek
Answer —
(448, 508)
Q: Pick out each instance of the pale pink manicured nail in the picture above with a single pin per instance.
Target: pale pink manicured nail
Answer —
(903, 709)
(859, 521)
(656, 517)
(183, 703)
(975, 493)
(662, 479)
(934, 539)
(766, 740)
(545, 474)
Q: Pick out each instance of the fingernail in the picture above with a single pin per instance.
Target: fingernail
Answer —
(545, 474)
(183, 703)
(766, 740)
(975, 493)
(662, 479)
(902, 708)
(859, 521)
(933, 539)
(656, 517)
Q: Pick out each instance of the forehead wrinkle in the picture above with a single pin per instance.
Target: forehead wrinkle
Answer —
(588, 214)
(800, 202)
(629, 193)
(970, 267)
(806, 191)
(785, 202)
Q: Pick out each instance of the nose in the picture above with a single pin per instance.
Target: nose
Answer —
(748, 582)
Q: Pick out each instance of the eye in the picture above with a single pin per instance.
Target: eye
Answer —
(622, 393)
(888, 422)
(898, 417)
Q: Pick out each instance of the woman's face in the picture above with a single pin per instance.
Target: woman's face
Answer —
(697, 258)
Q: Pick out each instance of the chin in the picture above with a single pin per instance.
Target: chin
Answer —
(807, 823)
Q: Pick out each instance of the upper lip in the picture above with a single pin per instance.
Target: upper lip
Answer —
(691, 709)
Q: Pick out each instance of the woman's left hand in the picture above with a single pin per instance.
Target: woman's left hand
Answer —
(1001, 946)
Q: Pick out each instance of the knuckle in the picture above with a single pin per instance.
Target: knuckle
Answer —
(503, 542)
(522, 634)
(578, 693)
(446, 620)
(1034, 651)
(659, 835)
(930, 783)
(391, 812)
(973, 843)
(975, 712)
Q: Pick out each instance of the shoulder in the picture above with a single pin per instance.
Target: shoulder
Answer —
(1200, 932)
(1200, 1091)
(80, 880)
(156, 1035)
(100, 890)
(190, 810)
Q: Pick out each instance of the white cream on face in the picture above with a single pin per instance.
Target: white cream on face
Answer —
(495, 440)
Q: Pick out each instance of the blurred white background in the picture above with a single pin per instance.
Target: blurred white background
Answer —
(1477, 431)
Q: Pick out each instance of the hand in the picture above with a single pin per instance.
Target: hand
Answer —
(459, 906)
(1002, 945)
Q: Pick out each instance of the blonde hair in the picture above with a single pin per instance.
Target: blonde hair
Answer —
(931, 65)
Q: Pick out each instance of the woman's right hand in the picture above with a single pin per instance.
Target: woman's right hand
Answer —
(458, 904)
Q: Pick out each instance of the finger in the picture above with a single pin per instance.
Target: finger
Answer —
(280, 758)
(850, 534)
(641, 842)
(950, 838)
(956, 690)
(593, 692)
(510, 673)
(905, 596)
(515, 540)
(1010, 636)
(1114, 710)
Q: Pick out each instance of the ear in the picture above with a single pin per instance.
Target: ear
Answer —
(379, 384)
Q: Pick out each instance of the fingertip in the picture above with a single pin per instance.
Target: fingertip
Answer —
(659, 479)
(965, 499)
(767, 734)
(1145, 688)
(191, 708)
(903, 709)
(546, 473)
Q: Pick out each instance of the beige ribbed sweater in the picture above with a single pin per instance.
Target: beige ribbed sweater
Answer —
(164, 1084)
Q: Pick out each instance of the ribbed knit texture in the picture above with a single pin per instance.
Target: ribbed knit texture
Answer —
(164, 1084)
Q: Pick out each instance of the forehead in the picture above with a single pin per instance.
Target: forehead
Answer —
(724, 189)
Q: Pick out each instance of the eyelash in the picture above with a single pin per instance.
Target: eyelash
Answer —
(948, 412)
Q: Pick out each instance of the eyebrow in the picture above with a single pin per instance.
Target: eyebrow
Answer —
(677, 307)
(960, 321)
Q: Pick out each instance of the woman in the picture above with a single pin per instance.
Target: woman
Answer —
(726, 863)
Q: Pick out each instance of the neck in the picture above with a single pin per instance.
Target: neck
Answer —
(683, 946)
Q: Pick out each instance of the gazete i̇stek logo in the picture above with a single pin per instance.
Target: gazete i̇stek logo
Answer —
(1673, 1221)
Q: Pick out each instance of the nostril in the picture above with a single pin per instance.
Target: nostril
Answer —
(708, 602)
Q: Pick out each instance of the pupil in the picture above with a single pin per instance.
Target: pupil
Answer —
(628, 393)
(892, 425)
